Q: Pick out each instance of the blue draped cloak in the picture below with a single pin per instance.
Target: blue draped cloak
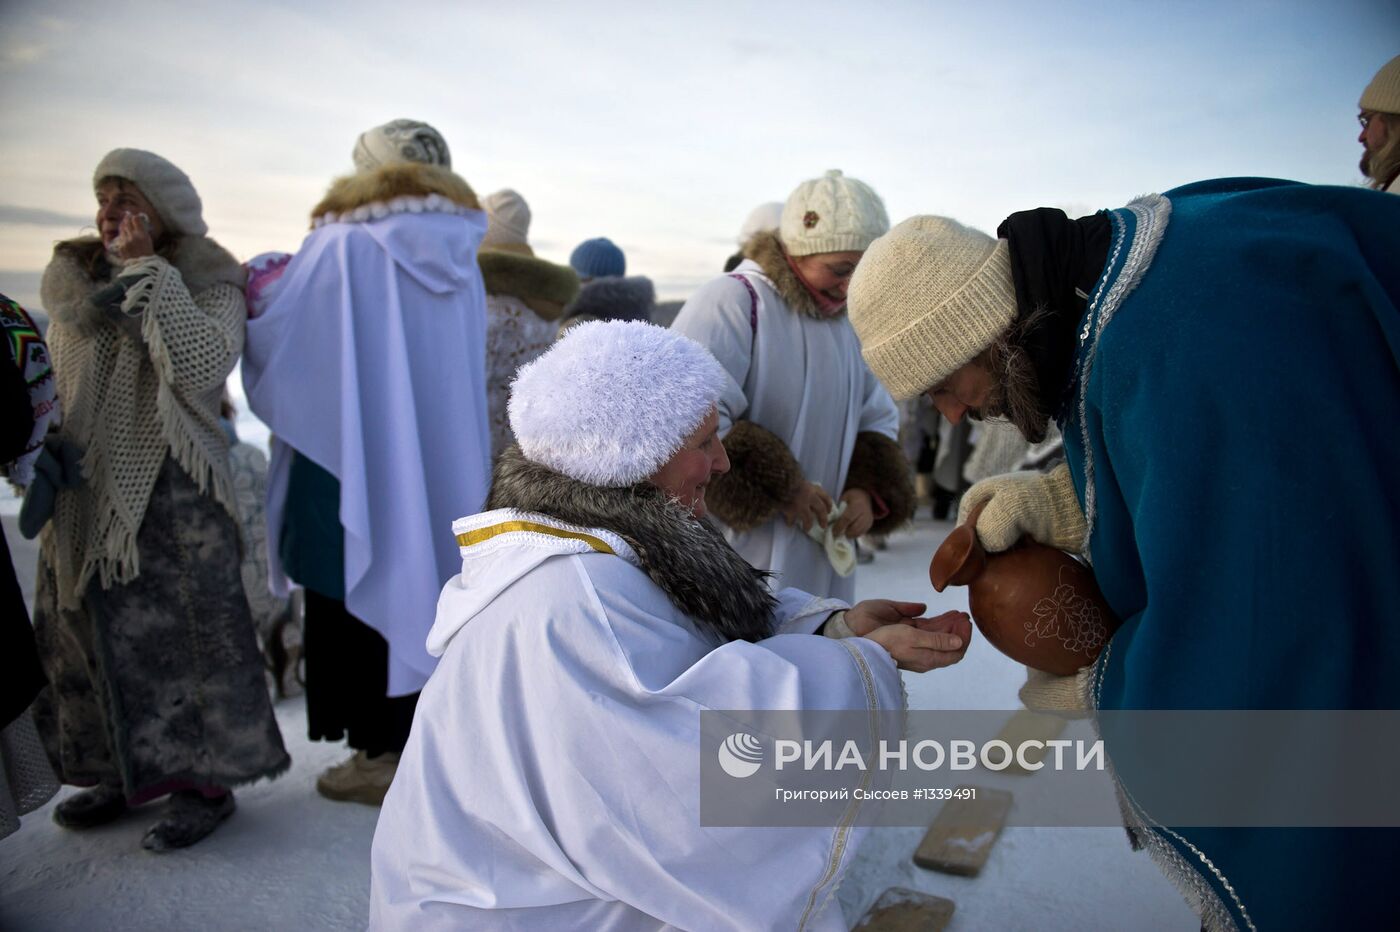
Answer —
(1233, 431)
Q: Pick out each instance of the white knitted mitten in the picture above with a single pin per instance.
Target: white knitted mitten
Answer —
(1042, 505)
(1046, 692)
(836, 626)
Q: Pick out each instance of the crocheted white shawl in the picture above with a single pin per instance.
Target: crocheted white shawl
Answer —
(136, 387)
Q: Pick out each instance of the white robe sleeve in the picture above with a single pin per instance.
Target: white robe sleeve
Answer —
(801, 612)
(878, 412)
(720, 318)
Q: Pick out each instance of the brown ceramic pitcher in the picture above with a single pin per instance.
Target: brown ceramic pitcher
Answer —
(1035, 604)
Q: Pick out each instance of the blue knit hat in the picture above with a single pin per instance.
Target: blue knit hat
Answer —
(598, 258)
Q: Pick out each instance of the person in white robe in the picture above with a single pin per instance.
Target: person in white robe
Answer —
(551, 779)
(809, 429)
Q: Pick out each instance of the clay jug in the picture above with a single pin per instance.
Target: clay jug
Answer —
(1035, 604)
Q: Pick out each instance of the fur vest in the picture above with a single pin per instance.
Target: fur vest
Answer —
(614, 299)
(702, 575)
(543, 287)
(394, 182)
(767, 250)
(140, 355)
(80, 271)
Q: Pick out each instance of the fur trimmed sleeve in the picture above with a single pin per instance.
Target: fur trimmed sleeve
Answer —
(762, 476)
(879, 467)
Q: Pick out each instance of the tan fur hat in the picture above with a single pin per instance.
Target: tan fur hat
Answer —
(167, 188)
(926, 298)
(1382, 95)
(832, 213)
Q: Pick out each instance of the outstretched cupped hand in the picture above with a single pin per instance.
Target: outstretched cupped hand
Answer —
(923, 644)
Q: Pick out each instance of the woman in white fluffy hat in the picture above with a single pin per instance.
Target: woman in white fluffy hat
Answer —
(156, 683)
(808, 427)
(551, 779)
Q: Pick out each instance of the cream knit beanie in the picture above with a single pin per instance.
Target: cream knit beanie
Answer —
(926, 298)
(508, 222)
(832, 213)
(1382, 95)
(167, 188)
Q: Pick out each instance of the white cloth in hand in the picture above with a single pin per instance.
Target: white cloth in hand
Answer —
(841, 551)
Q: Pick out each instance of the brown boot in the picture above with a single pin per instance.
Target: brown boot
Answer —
(360, 779)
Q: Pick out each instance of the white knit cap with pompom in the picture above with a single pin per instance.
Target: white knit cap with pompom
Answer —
(613, 401)
(832, 213)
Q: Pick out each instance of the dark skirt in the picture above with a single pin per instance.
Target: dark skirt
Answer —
(347, 681)
(158, 684)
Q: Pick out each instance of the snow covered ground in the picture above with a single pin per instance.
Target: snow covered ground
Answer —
(289, 859)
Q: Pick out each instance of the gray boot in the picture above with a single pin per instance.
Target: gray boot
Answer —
(191, 816)
(92, 807)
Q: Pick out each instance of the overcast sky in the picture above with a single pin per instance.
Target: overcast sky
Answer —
(661, 124)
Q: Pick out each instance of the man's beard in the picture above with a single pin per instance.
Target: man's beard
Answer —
(1014, 395)
(1366, 163)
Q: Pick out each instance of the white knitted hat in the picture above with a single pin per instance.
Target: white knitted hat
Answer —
(613, 401)
(765, 218)
(167, 188)
(1382, 95)
(508, 217)
(832, 213)
(926, 298)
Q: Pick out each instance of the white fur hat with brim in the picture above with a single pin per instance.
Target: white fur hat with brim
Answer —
(169, 190)
(613, 401)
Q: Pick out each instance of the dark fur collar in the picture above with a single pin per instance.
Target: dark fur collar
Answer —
(68, 287)
(767, 250)
(544, 287)
(692, 563)
(615, 299)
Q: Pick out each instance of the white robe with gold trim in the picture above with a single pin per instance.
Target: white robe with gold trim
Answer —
(552, 777)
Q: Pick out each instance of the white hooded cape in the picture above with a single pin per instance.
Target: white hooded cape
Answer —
(370, 360)
(551, 780)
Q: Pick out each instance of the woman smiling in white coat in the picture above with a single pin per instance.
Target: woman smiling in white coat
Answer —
(809, 429)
